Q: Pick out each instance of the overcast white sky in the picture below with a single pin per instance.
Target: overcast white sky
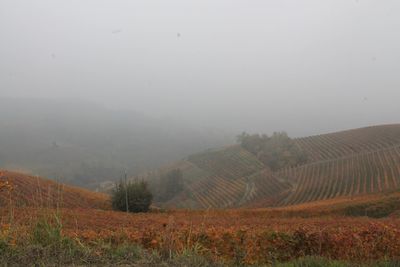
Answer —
(259, 65)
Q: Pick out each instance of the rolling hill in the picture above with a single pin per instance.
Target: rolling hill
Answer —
(344, 164)
(33, 191)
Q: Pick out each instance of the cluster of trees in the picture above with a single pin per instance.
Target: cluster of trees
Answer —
(276, 151)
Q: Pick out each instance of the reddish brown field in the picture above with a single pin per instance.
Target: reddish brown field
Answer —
(247, 235)
(337, 206)
(27, 190)
(256, 236)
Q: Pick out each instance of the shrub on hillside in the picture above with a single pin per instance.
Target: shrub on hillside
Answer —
(131, 196)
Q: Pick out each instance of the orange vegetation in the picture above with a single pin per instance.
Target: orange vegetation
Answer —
(26, 190)
(253, 235)
(245, 235)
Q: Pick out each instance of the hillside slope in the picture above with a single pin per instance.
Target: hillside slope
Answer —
(25, 190)
(343, 164)
(363, 173)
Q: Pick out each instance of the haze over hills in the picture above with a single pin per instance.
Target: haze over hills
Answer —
(82, 143)
(343, 164)
(85, 144)
(199, 133)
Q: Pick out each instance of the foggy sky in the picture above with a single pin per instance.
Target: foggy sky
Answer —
(306, 67)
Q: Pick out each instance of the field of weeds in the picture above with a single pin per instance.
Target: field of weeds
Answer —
(240, 237)
(44, 231)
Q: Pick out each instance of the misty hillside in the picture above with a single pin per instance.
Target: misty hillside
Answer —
(82, 143)
(343, 164)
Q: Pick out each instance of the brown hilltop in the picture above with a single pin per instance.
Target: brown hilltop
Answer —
(32, 191)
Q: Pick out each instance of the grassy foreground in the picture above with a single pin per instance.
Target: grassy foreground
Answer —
(66, 252)
(47, 246)
(82, 237)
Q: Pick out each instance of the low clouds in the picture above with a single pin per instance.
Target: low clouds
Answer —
(303, 66)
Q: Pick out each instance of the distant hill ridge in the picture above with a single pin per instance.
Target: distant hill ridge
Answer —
(342, 164)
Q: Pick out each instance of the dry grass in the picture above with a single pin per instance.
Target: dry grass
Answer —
(248, 236)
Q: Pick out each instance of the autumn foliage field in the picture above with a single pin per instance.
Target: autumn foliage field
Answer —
(240, 236)
(243, 236)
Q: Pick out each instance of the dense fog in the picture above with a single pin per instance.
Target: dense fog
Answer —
(137, 84)
(86, 144)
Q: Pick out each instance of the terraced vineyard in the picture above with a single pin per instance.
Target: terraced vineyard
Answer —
(218, 192)
(231, 163)
(345, 143)
(363, 173)
(348, 163)
(264, 188)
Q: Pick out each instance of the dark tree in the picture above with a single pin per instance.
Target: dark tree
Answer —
(135, 194)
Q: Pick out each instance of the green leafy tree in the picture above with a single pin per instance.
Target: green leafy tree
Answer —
(131, 196)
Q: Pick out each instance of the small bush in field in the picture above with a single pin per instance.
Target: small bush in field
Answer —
(132, 197)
